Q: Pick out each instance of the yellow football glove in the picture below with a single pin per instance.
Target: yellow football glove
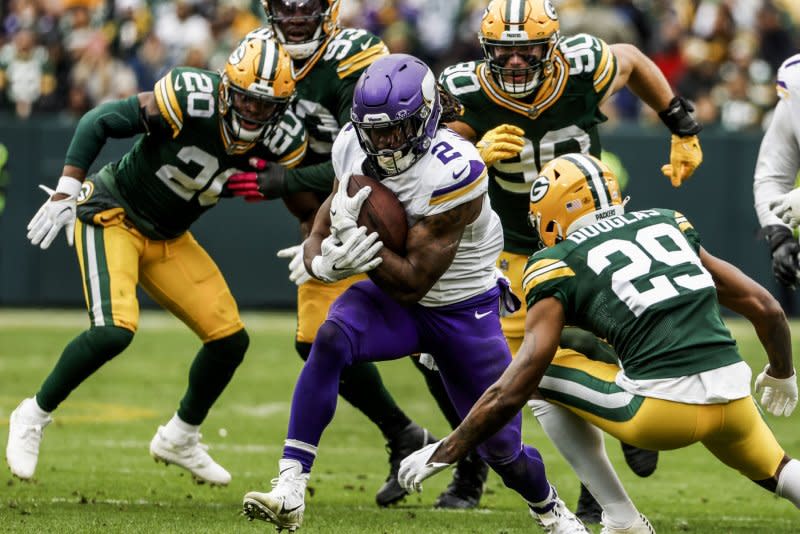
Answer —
(685, 155)
(500, 143)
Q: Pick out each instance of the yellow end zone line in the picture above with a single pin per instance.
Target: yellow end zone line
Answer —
(93, 412)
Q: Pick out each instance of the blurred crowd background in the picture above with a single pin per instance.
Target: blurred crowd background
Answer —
(65, 56)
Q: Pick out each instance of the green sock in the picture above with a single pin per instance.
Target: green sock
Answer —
(81, 358)
(211, 371)
(362, 386)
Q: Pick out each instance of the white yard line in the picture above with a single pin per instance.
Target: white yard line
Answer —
(156, 320)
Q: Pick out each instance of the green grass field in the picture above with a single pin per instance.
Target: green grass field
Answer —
(95, 473)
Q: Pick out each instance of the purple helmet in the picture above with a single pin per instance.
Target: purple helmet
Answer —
(395, 112)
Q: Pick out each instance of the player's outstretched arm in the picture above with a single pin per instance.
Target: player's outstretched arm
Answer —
(646, 80)
(430, 248)
(117, 119)
(518, 383)
(777, 383)
(741, 294)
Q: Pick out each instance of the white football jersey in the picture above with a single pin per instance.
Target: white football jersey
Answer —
(779, 155)
(449, 174)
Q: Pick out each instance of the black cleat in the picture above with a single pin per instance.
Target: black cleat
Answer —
(412, 437)
(589, 510)
(642, 462)
(466, 488)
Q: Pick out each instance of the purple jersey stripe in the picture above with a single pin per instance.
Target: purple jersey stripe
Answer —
(476, 168)
(795, 62)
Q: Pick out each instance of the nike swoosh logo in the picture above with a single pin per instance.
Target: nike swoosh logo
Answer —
(482, 315)
(364, 46)
(457, 175)
(285, 510)
(333, 213)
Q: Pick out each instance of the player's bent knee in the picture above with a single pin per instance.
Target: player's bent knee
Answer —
(332, 341)
(108, 340)
(231, 348)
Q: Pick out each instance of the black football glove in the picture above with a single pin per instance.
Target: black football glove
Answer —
(784, 248)
(266, 184)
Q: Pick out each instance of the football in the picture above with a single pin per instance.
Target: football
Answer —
(382, 212)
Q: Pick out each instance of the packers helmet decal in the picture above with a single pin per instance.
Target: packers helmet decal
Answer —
(257, 85)
(525, 28)
(572, 191)
(86, 192)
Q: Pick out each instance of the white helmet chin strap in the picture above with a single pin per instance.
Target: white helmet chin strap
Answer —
(243, 134)
(396, 163)
(525, 90)
(300, 50)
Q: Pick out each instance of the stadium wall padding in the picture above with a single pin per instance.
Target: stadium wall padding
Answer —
(243, 238)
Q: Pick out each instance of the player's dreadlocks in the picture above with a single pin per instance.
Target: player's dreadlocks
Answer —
(451, 107)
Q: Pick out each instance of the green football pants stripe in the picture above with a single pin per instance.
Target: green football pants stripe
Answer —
(98, 285)
(581, 390)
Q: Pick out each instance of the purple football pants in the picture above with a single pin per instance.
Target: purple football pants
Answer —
(365, 324)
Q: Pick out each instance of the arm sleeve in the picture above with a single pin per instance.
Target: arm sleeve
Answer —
(117, 119)
(777, 164)
(316, 178)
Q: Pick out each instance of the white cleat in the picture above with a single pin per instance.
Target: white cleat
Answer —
(285, 504)
(24, 436)
(640, 526)
(559, 520)
(189, 454)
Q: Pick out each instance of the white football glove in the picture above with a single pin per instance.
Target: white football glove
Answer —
(338, 261)
(345, 209)
(417, 466)
(787, 207)
(55, 214)
(778, 395)
(297, 268)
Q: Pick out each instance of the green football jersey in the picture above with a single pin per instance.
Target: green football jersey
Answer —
(165, 182)
(637, 281)
(560, 118)
(325, 83)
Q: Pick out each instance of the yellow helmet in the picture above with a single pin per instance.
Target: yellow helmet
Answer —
(302, 26)
(572, 191)
(528, 28)
(257, 86)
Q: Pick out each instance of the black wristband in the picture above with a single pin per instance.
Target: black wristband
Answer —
(776, 235)
(677, 117)
(272, 181)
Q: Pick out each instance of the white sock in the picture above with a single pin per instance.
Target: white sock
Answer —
(31, 408)
(177, 428)
(789, 482)
(581, 444)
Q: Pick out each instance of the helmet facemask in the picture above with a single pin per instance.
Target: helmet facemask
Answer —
(531, 63)
(250, 116)
(301, 25)
(394, 146)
